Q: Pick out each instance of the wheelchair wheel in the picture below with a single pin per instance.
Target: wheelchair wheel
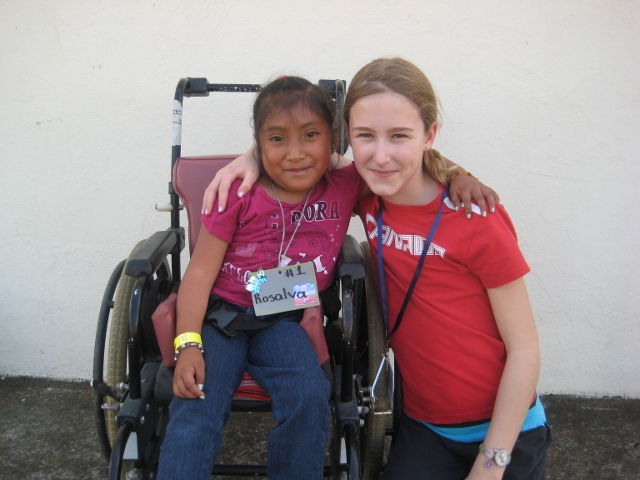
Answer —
(100, 394)
(376, 420)
(111, 347)
(117, 348)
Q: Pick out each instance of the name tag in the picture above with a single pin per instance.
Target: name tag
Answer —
(283, 289)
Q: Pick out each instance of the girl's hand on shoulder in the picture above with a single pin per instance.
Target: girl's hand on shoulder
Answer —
(188, 376)
(464, 188)
(245, 167)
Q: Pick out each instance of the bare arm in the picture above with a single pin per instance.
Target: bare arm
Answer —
(245, 166)
(514, 317)
(192, 305)
(463, 188)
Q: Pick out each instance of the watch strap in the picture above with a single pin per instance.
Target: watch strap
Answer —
(490, 453)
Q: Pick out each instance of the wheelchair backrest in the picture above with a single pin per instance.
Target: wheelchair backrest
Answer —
(191, 176)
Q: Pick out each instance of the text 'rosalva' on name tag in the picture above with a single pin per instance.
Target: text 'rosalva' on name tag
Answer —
(285, 288)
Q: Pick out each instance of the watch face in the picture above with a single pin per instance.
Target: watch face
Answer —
(502, 458)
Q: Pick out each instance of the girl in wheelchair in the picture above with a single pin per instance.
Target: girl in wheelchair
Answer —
(269, 254)
(459, 322)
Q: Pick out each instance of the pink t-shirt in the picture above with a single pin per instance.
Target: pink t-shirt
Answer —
(252, 226)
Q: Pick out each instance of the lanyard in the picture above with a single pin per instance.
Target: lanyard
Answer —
(281, 255)
(416, 275)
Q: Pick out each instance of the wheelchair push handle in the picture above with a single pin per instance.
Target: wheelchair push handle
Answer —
(200, 87)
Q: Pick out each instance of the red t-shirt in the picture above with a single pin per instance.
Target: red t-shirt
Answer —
(252, 226)
(448, 347)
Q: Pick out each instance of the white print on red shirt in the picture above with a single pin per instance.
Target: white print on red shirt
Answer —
(406, 243)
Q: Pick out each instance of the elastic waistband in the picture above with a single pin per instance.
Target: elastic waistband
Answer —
(467, 433)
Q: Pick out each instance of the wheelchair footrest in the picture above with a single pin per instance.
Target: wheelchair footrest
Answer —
(143, 413)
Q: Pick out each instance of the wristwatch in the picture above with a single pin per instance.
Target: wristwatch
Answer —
(500, 457)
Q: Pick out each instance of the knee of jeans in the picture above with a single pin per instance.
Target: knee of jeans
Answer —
(317, 389)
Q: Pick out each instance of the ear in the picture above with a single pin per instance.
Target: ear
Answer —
(430, 136)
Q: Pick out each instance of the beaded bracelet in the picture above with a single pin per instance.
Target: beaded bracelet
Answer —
(460, 171)
(187, 337)
(185, 345)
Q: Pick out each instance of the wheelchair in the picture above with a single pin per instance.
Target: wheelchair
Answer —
(132, 388)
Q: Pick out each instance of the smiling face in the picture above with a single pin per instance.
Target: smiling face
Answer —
(389, 138)
(295, 152)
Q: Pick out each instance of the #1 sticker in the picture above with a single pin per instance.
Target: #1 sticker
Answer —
(284, 288)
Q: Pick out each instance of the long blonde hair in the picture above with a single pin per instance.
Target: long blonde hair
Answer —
(403, 77)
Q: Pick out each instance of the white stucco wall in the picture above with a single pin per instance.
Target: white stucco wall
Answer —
(541, 100)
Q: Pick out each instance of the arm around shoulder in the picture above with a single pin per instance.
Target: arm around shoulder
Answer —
(245, 166)
(465, 187)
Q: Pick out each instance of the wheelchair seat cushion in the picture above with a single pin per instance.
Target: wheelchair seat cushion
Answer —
(250, 390)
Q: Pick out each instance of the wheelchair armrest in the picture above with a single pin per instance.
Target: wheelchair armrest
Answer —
(148, 257)
(351, 262)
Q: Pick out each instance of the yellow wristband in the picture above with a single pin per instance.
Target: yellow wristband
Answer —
(187, 337)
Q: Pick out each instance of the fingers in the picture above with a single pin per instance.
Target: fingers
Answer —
(245, 166)
(210, 195)
(461, 187)
(465, 189)
(462, 199)
(491, 196)
(221, 184)
(479, 199)
(188, 376)
(248, 181)
(223, 191)
(186, 387)
(486, 198)
(200, 380)
(492, 201)
(466, 203)
(456, 200)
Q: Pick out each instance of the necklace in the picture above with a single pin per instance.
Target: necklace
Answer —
(281, 254)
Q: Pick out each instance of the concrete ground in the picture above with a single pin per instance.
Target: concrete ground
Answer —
(47, 432)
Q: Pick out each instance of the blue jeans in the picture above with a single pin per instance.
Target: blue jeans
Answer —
(281, 359)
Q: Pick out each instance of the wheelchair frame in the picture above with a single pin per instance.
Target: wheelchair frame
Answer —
(128, 396)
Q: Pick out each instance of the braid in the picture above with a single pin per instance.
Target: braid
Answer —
(436, 167)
